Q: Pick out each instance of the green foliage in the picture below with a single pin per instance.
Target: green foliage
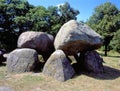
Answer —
(10, 10)
(50, 19)
(30, 78)
(115, 42)
(22, 24)
(67, 12)
(39, 18)
(106, 21)
(54, 20)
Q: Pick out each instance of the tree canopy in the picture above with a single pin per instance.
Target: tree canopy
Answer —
(106, 21)
(115, 42)
(9, 10)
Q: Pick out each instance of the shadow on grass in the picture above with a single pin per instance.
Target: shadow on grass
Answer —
(109, 74)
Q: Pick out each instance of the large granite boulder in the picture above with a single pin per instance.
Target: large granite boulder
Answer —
(93, 62)
(74, 37)
(40, 41)
(22, 60)
(58, 66)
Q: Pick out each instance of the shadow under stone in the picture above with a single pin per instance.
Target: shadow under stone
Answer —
(108, 74)
(38, 67)
(2, 64)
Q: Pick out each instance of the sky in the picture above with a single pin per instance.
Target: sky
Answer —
(85, 7)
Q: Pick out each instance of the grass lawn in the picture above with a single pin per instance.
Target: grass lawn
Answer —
(107, 81)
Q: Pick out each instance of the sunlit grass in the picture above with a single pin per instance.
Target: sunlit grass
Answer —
(112, 59)
(3, 72)
(30, 78)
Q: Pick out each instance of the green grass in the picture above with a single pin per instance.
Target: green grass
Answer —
(110, 53)
(30, 78)
(3, 72)
(112, 59)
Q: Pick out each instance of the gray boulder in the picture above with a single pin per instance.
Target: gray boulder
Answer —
(22, 60)
(4, 88)
(58, 67)
(74, 37)
(93, 62)
(40, 41)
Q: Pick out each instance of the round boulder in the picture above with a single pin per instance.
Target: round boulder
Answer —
(40, 41)
(74, 37)
(22, 60)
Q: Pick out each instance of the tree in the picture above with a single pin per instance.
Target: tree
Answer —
(39, 17)
(54, 20)
(115, 42)
(67, 12)
(60, 15)
(105, 20)
(9, 10)
(22, 24)
(42, 19)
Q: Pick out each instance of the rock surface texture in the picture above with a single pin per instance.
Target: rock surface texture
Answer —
(93, 62)
(58, 67)
(74, 37)
(22, 60)
(40, 41)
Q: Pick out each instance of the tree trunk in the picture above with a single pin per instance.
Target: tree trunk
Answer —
(107, 40)
(106, 50)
